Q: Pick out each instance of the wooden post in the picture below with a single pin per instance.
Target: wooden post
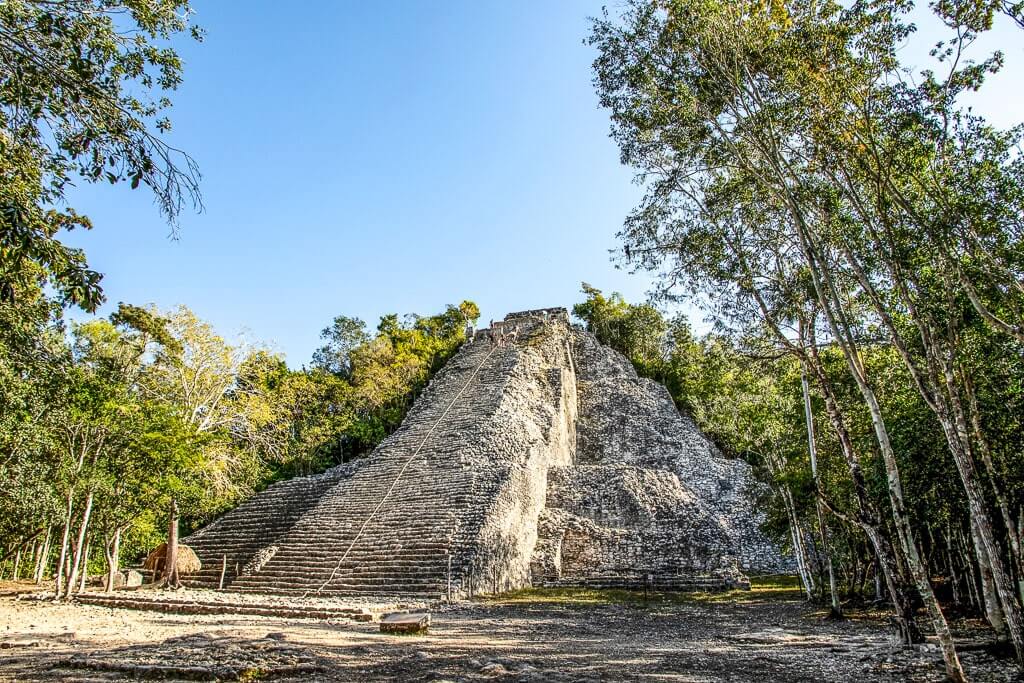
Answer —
(223, 568)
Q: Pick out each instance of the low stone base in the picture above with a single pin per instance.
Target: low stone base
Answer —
(225, 605)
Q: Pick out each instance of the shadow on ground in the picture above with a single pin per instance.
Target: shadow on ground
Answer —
(516, 640)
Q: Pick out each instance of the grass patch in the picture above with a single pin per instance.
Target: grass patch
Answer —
(253, 673)
(762, 588)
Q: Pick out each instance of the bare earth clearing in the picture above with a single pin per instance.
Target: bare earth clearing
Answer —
(736, 637)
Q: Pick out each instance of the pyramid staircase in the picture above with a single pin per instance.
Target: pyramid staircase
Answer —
(504, 437)
(403, 521)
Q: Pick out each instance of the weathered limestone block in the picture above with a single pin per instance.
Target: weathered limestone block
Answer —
(628, 420)
(624, 518)
(417, 622)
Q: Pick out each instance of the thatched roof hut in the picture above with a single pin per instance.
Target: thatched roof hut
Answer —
(188, 561)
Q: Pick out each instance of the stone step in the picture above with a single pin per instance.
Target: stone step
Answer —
(438, 477)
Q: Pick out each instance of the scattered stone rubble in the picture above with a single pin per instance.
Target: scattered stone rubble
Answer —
(200, 657)
(536, 456)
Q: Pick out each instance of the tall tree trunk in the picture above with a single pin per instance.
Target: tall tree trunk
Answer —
(836, 611)
(80, 545)
(994, 479)
(33, 557)
(112, 550)
(972, 578)
(85, 564)
(832, 307)
(171, 561)
(982, 527)
(994, 613)
(43, 558)
(937, 384)
(868, 517)
(798, 543)
(59, 570)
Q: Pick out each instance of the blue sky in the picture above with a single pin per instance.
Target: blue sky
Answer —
(368, 158)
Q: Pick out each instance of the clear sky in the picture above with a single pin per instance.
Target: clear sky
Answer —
(368, 158)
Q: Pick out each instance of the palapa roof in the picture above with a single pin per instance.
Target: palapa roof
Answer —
(188, 562)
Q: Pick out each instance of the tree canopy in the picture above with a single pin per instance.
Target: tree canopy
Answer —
(84, 91)
(818, 197)
(113, 424)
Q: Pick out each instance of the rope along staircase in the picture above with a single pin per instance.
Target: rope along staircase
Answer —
(401, 472)
(316, 530)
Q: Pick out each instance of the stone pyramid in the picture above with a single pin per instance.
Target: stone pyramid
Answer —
(539, 459)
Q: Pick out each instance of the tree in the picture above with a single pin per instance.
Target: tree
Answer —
(33, 362)
(344, 335)
(83, 95)
(97, 426)
(294, 420)
(730, 112)
(635, 330)
(148, 420)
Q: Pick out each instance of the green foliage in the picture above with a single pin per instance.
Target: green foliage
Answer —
(344, 335)
(635, 330)
(150, 407)
(826, 207)
(83, 95)
(750, 404)
(385, 373)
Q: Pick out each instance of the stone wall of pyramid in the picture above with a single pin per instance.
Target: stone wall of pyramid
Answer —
(542, 459)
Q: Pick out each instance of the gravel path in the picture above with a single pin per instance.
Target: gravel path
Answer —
(700, 641)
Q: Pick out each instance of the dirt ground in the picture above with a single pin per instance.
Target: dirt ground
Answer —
(743, 639)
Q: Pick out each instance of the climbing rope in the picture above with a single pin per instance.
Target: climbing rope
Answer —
(402, 471)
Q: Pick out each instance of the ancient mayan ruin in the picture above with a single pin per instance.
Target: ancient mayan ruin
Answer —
(540, 460)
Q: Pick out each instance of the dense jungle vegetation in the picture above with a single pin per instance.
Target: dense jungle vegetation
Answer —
(111, 423)
(854, 231)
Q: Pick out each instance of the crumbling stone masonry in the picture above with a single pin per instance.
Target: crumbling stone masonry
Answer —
(540, 460)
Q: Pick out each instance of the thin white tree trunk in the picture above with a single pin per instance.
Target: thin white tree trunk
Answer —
(85, 564)
(113, 551)
(65, 539)
(43, 558)
(836, 610)
(79, 546)
(798, 548)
